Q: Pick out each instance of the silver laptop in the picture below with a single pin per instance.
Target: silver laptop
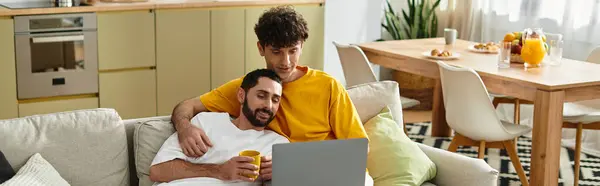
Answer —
(322, 163)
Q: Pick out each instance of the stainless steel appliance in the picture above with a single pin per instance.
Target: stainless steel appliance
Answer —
(56, 55)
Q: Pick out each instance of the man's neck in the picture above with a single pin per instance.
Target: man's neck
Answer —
(243, 123)
(296, 74)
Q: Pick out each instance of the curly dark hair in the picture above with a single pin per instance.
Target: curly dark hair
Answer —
(281, 27)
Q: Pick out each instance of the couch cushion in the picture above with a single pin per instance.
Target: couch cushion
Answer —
(148, 138)
(370, 98)
(37, 172)
(394, 159)
(87, 147)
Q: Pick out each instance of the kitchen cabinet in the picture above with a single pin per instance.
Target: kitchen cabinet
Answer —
(8, 81)
(126, 40)
(182, 56)
(53, 106)
(252, 56)
(132, 93)
(227, 45)
(313, 49)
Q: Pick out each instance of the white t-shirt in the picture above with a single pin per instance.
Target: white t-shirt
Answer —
(227, 140)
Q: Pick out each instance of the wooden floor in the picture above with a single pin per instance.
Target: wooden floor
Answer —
(416, 116)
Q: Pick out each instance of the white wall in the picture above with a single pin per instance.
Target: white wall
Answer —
(349, 21)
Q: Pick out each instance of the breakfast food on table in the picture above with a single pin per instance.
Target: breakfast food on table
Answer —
(517, 39)
(486, 47)
(437, 53)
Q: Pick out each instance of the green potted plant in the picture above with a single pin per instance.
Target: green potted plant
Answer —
(419, 21)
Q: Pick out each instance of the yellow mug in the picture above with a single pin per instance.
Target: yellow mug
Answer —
(253, 154)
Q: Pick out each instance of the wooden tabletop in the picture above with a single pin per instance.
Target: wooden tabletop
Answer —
(571, 74)
(153, 4)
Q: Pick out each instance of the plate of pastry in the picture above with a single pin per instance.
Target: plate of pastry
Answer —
(489, 47)
(441, 54)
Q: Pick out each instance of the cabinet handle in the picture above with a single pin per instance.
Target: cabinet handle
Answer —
(55, 39)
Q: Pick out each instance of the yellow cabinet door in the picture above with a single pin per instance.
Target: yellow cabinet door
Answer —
(227, 45)
(313, 49)
(8, 81)
(182, 56)
(131, 93)
(46, 107)
(253, 59)
(126, 40)
(312, 52)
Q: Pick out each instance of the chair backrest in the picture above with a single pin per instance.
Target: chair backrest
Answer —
(594, 57)
(355, 65)
(469, 110)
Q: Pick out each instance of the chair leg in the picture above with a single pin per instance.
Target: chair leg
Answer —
(454, 144)
(481, 150)
(517, 115)
(577, 153)
(517, 109)
(512, 152)
(495, 102)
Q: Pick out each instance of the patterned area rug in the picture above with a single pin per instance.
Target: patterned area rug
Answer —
(499, 159)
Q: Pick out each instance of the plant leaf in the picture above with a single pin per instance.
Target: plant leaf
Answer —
(434, 23)
(390, 29)
(392, 24)
(389, 5)
(406, 18)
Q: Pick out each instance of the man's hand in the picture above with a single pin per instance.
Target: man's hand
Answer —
(266, 170)
(193, 141)
(236, 168)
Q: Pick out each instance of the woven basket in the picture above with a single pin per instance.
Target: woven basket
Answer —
(416, 87)
(516, 58)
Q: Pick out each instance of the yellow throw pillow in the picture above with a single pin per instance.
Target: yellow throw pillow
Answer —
(393, 158)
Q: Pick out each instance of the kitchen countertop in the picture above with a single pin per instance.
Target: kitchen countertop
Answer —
(153, 4)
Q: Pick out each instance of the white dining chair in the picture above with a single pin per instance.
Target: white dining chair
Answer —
(472, 116)
(582, 115)
(594, 56)
(357, 69)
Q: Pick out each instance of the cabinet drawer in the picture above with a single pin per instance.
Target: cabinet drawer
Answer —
(131, 93)
(28, 109)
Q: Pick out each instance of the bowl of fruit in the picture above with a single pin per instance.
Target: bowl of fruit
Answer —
(516, 39)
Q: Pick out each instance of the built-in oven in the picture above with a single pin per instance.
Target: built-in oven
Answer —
(56, 55)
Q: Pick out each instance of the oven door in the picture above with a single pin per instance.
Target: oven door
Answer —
(54, 64)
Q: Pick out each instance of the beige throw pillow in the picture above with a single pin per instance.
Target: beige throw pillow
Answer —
(36, 172)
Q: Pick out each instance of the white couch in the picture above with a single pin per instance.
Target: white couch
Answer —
(95, 147)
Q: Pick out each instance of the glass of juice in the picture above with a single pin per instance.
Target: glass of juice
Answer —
(534, 48)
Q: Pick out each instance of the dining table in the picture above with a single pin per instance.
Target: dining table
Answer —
(548, 87)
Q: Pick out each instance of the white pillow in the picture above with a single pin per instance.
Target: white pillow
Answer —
(36, 172)
(370, 98)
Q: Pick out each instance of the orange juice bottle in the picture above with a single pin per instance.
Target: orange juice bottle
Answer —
(533, 52)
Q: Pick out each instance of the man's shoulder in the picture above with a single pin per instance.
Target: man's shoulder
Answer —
(211, 117)
(323, 77)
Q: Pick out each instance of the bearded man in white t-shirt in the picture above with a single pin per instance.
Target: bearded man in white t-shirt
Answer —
(259, 94)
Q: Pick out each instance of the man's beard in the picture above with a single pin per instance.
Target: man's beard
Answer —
(251, 116)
